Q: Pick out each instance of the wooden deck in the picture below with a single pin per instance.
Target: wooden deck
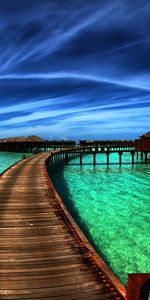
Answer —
(39, 257)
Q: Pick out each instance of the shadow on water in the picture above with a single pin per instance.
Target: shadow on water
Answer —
(56, 174)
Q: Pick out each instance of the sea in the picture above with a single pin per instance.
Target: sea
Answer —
(111, 204)
(9, 158)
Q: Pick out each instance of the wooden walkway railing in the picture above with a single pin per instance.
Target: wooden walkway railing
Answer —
(40, 257)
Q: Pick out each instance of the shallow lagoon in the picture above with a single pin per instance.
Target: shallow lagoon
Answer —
(111, 205)
(9, 158)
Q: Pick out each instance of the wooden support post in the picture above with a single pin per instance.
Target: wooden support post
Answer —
(120, 157)
(107, 154)
(132, 153)
(53, 157)
(137, 154)
(94, 159)
(80, 159)
(145, 157)
(141, 155)
(66, 158)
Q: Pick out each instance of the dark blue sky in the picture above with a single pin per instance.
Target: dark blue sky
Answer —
(75, 69)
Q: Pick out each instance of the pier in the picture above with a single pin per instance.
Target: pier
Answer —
(43, 252)
(136, 148)
(68, 154)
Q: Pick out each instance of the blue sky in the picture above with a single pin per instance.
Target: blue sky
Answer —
(75, 69)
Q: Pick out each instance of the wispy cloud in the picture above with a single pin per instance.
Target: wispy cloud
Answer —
(68, 67)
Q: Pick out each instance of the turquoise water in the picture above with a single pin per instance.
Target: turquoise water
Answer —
(9, 158)
(111, 205)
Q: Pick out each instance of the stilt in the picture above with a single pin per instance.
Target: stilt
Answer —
(145, 157)
(94, 159)
(107, 154)
(132, 153)
(50, 159)
(66, 158)
(80, 159)
(120, 157)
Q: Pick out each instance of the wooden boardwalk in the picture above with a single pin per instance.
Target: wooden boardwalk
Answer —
(39, 258)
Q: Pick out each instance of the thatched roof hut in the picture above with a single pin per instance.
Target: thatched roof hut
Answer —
(30, 138)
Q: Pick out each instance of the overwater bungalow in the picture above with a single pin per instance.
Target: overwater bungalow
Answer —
(143, 144)
(28, 144)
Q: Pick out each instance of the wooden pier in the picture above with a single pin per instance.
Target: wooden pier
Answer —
(43, 253)
(67, 154)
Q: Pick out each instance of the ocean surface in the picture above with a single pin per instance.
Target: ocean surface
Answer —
(112, 207)
(9, 158)
(110, 204)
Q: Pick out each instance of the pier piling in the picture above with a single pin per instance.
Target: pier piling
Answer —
(120, 157)
(107, 155)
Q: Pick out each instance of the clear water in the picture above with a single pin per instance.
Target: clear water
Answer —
(9, 158)
(111, 205)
